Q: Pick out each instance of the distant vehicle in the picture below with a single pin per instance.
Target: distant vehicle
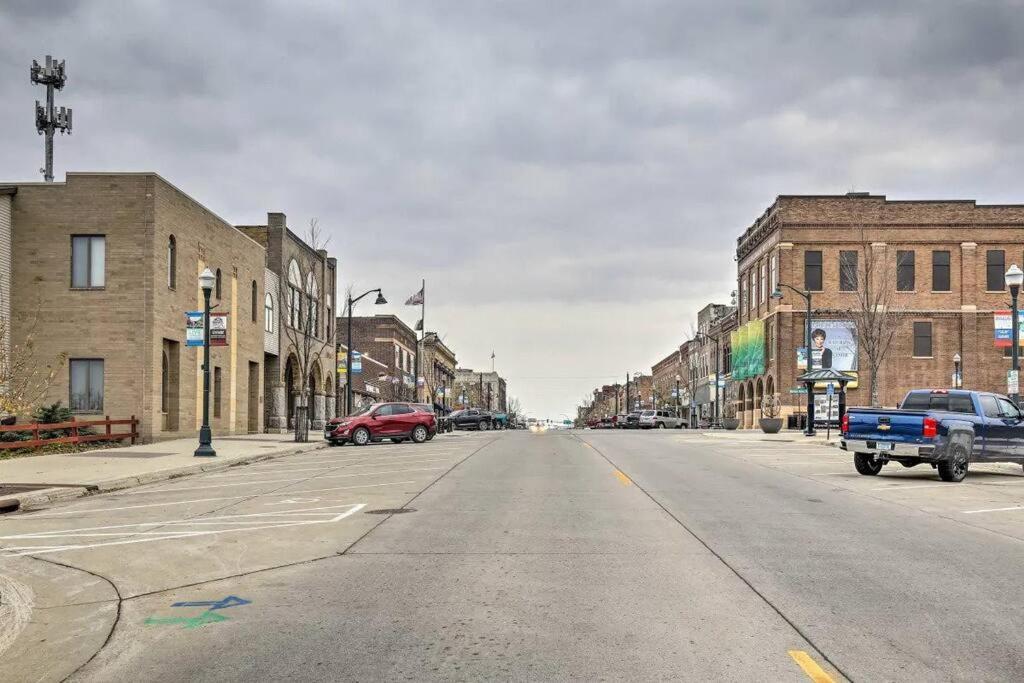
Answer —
(499, 420)
(947, 429)
(443, 423)
(659, 419)
(620, 420)
(472, 418)
(606, 423)
(633, 420)
(396, 421)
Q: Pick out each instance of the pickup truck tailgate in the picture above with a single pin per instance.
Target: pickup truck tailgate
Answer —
(886, 425)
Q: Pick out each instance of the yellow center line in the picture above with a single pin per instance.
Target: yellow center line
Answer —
(626, 481)
(810, 667)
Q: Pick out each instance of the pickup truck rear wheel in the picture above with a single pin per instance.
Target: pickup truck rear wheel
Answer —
(867, 464)
(955, 468)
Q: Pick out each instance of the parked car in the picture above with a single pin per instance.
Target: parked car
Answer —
(443, 422)
(947, 429)
(472, 418)
(499, 420)
(659, 419)
(619, 421)
(633, 420)
(396, 421)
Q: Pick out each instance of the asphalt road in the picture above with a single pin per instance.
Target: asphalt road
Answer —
(564, 555)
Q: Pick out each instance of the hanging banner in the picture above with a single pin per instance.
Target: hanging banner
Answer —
(194, 328)
(748, 350)
(1003, 332)
(218, 329)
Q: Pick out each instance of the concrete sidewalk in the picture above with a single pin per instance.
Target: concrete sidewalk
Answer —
(783, 436)
(46, 478)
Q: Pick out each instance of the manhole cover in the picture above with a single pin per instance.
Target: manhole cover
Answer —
(390, 511)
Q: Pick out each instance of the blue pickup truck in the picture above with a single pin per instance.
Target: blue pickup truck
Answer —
(947, 429)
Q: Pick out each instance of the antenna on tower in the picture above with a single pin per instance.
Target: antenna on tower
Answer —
(49, 118)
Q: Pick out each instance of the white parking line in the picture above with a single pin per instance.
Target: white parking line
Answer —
(276, 481)
(322, 469)
(1009, 509)
(85, 511)
(289, 521)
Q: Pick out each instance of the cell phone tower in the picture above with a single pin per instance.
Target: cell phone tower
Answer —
(49, 118)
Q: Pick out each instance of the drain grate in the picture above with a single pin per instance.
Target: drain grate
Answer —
(390, 511)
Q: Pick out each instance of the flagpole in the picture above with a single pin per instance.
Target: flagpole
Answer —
(423, 335)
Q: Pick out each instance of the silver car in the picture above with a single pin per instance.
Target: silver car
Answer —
(659, 419)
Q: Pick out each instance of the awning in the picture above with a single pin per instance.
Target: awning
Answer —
(826, 375)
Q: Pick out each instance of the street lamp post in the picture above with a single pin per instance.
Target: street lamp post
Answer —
(348, 351)
(679, 399)
(1014, 279)
(777, 294)
(957, 381)
(207, 280)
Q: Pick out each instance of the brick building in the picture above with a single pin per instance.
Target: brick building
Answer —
(940, 261)
(107, 265)
(299, 316)
(386, 339)
(438, 365)
(481, 389)
(706, 353)
(370, 385)
(667, 377)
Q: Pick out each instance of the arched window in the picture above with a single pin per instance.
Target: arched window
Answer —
(217, 290)
(294, 294)
(255, 294)
(268, 313)
(313, 299)
(172, 262)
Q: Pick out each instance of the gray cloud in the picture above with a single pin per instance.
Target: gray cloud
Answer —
(570, 177)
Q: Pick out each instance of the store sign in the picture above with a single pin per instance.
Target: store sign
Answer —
(357, 362)
(1013, 381)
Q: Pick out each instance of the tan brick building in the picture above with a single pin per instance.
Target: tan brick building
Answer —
(299, 303)
(439, 365)
(664, 375)
(108, 265)
(943, 260)
(485, 390)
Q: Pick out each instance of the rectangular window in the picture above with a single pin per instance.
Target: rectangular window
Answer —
(848, 271)
(763, 290)
(752, 274)
(774, 274)
(726, 359)
(905, 271)
(940, 271)
(86, 385)
(812, 271)
(216, 391)
(995, 270)
(743, 292)
(922, 340)
(88, 261)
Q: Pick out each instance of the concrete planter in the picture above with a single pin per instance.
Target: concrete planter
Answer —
(731, 422)
(770, 425)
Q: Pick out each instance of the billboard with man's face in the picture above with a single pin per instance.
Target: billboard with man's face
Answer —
(833, 345)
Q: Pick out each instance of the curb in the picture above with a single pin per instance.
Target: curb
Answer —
(33, 500)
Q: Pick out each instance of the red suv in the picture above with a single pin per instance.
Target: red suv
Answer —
(395, 421)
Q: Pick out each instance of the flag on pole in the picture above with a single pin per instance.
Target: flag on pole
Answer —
(419, 325)
(415, 300)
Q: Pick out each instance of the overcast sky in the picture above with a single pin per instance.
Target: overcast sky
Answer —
(569, 177)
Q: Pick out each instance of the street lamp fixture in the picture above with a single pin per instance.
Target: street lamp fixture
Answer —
(380, 301)
(957, 379)
(207, 280)
(1014, 279)
(777, 294)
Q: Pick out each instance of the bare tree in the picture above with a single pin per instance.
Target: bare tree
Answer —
(515, 408)
(878, 310)
(24, 378)
(306, 331)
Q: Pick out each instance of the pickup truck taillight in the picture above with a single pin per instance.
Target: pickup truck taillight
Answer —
(844, 426)
(930, 428)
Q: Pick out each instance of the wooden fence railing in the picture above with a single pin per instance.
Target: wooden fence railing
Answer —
(72, 428)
